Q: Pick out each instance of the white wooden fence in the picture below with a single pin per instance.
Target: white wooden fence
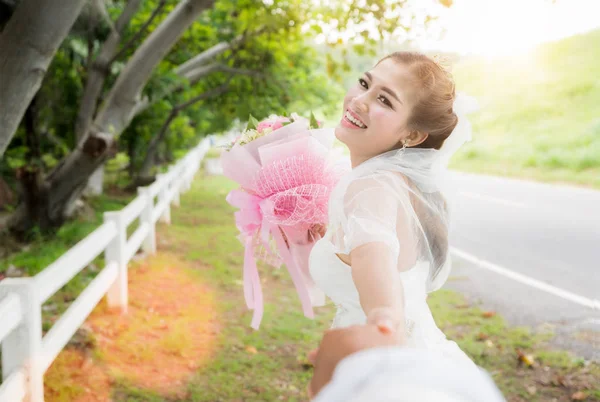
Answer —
(26, 355)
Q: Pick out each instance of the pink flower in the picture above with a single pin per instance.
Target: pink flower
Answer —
(272, 123)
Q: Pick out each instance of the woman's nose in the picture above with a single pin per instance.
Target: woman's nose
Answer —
(360, 105)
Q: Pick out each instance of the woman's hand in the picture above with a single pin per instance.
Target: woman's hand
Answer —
(316, 232)
(313, 234)
(388, 322)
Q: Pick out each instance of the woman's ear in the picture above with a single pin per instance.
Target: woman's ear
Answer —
(416, 138)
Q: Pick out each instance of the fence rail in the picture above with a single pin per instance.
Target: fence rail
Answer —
(26, 355)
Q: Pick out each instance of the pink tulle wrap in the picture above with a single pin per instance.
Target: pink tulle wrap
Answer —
(285, 178)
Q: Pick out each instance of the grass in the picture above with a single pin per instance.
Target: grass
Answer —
(269, 364)
(539, 113)
(213, 153)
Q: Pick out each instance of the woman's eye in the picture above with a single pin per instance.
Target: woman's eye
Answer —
(363, 83)
(385, 101)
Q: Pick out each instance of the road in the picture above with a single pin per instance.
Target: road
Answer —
(530, 251)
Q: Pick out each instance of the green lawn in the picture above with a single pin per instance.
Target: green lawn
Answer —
(540, 113)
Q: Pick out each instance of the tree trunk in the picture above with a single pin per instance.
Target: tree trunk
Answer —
(55, 195)
(27, 45)
(148, 163)
(7, 196)
(95, 185)
(97, 73)
(69, 178)
(99, 69)
(30, 176)
(131, 145)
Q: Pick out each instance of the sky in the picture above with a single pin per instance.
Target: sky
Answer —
(490, 27)
(502, 27)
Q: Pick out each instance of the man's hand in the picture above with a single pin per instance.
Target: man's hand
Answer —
(337, 344)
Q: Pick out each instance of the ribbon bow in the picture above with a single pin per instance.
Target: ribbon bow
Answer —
(252, 221)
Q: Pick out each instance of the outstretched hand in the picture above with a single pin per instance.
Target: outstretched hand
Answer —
(388, 322)
(337, 344)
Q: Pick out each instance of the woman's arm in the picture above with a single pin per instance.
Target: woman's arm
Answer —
(375, 215)
(375, 274)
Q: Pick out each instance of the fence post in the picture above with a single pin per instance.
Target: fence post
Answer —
(117, 295)
(176, 184)
(202, 150)
(188, 176)
(149, 244)
(23, 346)
(162, 196)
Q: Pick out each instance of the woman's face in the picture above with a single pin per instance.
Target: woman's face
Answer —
(376, 110)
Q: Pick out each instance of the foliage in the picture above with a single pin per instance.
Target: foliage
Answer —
(539, 113)
(288, 70)
(268, 67)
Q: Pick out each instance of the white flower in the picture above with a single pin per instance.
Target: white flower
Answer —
(249, 136)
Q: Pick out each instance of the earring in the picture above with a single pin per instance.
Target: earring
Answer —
(405, 144)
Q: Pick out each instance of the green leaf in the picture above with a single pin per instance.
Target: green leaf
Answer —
(49, 160)
(313, 121)
(252, 123)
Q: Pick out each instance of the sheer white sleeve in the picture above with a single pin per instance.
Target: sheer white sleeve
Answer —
(371, 210)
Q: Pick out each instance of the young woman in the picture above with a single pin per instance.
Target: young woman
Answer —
(386, 245)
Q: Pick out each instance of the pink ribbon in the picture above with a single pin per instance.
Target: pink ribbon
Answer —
(295, 273)
(249, 221)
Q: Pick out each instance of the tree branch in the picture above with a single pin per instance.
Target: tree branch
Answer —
(213, 52)
(117, 110)
(205, 56)
(194, 77)
(240, 71)
(140, 32)
(159, 137)
(205, 95)
(195, 69)
(196, 74)
(54, 139)
(100, 8)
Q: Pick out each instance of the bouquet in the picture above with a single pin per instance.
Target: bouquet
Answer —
(283, 167)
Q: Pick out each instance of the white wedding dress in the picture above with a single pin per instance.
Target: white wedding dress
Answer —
(374, 205)
(334, 278)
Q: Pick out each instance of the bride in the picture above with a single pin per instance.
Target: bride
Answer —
(386, 245)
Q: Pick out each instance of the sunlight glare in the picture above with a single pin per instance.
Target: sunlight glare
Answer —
(495, 28)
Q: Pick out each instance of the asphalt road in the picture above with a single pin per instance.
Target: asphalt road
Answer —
(532, 252)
